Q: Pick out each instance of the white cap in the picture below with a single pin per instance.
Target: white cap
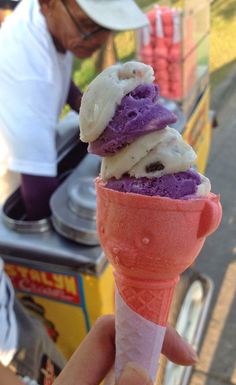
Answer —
(116, 15)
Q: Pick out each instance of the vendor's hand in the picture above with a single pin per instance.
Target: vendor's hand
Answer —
(95, 356)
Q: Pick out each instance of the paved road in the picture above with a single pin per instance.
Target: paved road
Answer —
(217, 363)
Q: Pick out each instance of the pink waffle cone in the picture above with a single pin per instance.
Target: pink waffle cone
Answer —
(150, 241)
(150, 299)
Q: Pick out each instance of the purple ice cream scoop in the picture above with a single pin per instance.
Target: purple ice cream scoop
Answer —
(137, 114)
(181, 185)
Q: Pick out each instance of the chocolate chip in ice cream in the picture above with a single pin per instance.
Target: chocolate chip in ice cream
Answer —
(155, 166)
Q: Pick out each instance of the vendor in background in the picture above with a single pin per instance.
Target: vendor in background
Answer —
(37, 44)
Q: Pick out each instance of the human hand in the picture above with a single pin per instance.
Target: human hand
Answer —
(96, 354)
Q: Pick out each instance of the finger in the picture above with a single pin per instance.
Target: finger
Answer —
(177, 350)
(134, 375)
(110, 377)
(94, 357)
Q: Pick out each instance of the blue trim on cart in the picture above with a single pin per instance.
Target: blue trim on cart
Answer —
(83, 302)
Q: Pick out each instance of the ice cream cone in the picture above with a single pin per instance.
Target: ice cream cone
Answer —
(149, 241)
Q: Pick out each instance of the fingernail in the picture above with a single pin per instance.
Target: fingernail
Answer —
(192, 354)
(190, 350)
(134, 375)
(195, 357)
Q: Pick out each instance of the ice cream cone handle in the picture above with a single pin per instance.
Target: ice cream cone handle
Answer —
(142, 309)
(137, 339)
(149, 241)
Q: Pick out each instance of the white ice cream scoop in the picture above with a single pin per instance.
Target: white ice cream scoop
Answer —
(152, 155)
(105, 92)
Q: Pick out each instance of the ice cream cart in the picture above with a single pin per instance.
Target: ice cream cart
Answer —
(60, 272)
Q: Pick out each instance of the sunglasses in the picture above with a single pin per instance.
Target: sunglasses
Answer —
(84, 35)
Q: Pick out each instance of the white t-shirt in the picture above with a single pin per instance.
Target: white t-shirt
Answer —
(34, 84)
(8, 325)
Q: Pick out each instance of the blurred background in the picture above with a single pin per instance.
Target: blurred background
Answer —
(191, 46)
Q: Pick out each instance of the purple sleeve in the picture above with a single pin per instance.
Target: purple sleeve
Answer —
(74, 97)
(36, 192)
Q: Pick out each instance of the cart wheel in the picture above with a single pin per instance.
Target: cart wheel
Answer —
(188, 316)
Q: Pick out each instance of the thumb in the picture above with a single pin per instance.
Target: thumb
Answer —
(134, 375)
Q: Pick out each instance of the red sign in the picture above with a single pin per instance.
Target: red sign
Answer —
(52, 285)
